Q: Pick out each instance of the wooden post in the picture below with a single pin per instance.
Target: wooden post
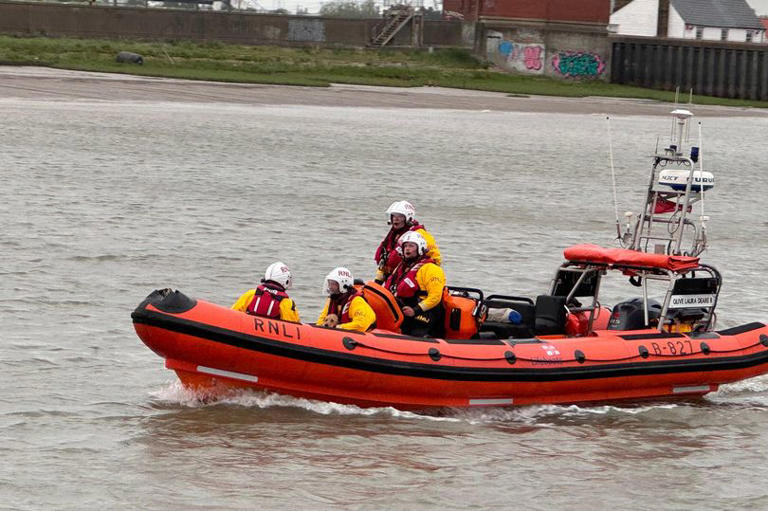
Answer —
(732, 70)
(699, 80)
(763, 95)
(752, 67)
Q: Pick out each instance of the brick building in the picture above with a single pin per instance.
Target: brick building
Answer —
(578, 11)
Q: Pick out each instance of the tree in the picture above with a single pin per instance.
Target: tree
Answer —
(350, 9)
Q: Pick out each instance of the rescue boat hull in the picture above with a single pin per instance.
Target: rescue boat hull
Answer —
(215, 350)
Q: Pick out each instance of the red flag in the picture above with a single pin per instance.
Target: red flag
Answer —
(667, 206)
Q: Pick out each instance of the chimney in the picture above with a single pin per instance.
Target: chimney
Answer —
(662, 28)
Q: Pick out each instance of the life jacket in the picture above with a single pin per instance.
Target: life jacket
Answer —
(266, 300)
(386, 255)
(340, 305)
(402, 282)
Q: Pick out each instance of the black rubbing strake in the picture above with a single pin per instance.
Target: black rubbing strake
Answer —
(454, 373)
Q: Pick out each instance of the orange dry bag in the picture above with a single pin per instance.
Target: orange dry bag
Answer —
(388, 313)
(460, 320)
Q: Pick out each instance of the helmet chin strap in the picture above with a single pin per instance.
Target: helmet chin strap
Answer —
(340, 293)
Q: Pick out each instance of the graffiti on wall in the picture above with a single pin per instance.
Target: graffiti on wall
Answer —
(578, 64)
(524, 52)
(306, 30)
(524, 57)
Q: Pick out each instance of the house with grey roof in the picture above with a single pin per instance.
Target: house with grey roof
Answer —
(712, 20)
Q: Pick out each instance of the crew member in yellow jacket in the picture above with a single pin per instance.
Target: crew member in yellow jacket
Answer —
(270, 299)
(401, 216)
(345, 308)
(418, 284)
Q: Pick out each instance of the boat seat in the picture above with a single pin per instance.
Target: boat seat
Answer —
(551, 315)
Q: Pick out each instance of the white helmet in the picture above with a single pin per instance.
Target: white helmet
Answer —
(401, 207)
(280, 273)
(412, 237)
(341, 275)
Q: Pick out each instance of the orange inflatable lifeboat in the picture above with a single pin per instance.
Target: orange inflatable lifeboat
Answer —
(562, 347)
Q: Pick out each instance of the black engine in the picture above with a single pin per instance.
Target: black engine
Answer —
(628, 315)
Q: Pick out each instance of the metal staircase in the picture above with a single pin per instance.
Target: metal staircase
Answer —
(395, 19)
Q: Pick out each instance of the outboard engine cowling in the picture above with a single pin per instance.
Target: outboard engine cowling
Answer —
(628, 315)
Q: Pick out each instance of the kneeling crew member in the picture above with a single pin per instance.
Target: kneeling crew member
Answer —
(418, 284)
(345, 306)
(401, 216)
(269, 299)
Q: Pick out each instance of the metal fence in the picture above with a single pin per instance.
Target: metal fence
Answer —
(727, 70)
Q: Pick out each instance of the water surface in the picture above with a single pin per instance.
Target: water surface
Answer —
(102, 202)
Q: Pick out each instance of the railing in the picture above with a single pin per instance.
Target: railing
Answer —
(396, 18)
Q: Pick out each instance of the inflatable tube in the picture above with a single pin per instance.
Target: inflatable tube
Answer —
(215, 350)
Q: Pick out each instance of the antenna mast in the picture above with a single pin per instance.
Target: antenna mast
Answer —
(665, 224)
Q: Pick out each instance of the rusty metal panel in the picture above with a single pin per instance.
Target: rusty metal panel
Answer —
(713, 68)
(583, 11)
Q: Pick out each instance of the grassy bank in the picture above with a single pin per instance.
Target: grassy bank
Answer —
(309, 66)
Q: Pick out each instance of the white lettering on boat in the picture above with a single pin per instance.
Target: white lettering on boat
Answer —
(680, 301)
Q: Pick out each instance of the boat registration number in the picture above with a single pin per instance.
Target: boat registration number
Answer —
(678, 348)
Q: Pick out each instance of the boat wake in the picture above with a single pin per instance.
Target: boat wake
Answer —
(751, 393)
(754, 385)
(174, 394)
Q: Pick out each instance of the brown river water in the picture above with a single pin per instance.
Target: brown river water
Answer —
(105, 200)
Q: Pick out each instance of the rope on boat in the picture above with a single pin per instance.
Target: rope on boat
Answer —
(579, 357)
(351, 344)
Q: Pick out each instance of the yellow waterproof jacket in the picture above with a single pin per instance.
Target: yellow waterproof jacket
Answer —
(431, 280)
(361, 315)
(288, 310)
